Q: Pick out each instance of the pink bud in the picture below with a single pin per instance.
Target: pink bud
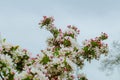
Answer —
(44, 17)
(51, 57)
(69, 26)
(28, 71)
(38, 55)
(24, 50)
(72, 76)
(42, 51)
(78, 31)
(61, 59)
(1, 48)
(60, 30)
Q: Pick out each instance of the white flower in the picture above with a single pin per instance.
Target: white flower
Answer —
(7, 60)
(74, 43)
(73, 65)
(7, 46)
(21, 76)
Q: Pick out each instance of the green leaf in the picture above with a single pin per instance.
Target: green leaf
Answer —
(45, 60)
(86, 49)
(67, 43)
(67, 53)
(26, 78)
(4, 40)
(55, 32)
(75, 49)
(56, 53)
(14, 48)
(68, 67)
(71, 35)
(94, 44)
(11, 76)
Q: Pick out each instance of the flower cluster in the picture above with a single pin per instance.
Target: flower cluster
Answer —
(12, 59)
(93, 48)
(59, 61)
(64, 54)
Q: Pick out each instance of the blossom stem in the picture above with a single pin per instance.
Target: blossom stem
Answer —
(1, 76)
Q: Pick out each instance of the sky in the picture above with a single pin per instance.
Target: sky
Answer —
(19, 24)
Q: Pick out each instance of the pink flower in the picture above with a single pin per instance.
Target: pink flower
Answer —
(69, 26)
(25, 50)
(72, 76)
(78, 31)
(1, 48)
(44, 17)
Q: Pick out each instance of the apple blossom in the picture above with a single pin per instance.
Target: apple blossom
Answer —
(60, 60)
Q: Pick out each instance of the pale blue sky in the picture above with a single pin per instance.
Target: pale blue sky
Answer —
(19, 23)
